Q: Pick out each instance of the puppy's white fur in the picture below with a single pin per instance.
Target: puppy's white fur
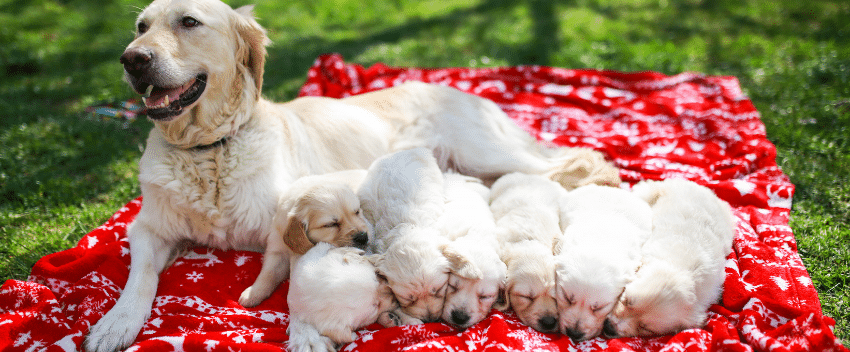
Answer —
(225, 194)
(597, 255)
(333, 291)
(477, 273)
(683, 261)
(317, 208)
(403, 196)
(527, 212)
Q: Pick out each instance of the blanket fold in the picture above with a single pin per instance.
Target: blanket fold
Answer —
(650, 125)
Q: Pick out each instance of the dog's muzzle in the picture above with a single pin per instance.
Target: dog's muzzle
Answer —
(162, 102)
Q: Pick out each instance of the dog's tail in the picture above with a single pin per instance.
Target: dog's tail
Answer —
(576, 167)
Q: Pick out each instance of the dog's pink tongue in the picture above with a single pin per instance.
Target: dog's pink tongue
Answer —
(158, 96)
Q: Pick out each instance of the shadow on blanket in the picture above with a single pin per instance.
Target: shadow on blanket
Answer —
(652, 126)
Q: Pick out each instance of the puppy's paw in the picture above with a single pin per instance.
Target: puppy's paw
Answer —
(305, 338)
(250, 298)
(397, 318)
(389, 320)
(116, 330)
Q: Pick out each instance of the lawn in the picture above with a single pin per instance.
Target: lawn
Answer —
(64, 172)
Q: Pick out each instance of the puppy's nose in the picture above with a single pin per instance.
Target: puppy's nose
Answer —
(608, 329)
(136, 61)
(547, 323)
(360, 239)
(459, 317)
(574, 334)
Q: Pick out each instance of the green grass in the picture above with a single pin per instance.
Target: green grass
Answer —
(62, 172)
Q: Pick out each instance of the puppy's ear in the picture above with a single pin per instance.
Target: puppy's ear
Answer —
(503, 302)
(252, 43)
(295, 235)
(649, 191)
(459, 264)
(557, 245)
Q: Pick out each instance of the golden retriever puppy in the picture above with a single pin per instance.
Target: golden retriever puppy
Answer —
(220, 156)
(526, 209)
(478, 274)
(334, 291)
(317, 208)
(403, 197)
(597, 255)
(683, 261)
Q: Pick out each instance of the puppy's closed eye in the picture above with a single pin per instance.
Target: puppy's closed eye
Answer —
(333, 224)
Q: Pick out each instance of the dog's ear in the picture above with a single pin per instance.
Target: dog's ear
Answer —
(459, 264)
(295, 235)
(557, 245)
(503, 302)
(252, 43)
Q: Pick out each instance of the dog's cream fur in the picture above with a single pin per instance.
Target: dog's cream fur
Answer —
(683, 261)
(478, 274)
(403, 197)
(597, 255)
(316, 208)
(333, 292)
(527, 212)
(207, 60)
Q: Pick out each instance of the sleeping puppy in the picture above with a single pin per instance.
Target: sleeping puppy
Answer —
(597, 255)
(478, 274)
(402, 196)
(318, 208)
(683, 261)
(334, 291)
(526, 209)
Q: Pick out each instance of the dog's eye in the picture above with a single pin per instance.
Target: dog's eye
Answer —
(331, 225)
(596, 308)
(190, 22)
(141, 27)
(485, 297)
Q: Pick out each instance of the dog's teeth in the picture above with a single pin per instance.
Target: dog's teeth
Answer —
(145, 101)
(148, 91)
(164, 104)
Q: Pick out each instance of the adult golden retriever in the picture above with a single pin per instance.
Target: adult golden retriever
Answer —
(220, 155)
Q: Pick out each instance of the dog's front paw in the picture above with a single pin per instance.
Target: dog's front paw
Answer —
(397, 318)
(249, 299)
(116, 330)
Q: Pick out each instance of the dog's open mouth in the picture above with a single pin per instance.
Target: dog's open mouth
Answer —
(165, 103)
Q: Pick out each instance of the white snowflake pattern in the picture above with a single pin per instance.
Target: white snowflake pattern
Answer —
(242, 259)
(194, 276)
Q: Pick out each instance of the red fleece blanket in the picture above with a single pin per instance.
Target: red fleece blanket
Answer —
(652, 126)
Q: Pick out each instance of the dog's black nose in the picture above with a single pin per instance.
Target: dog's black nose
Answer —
(547, 323)
(360, 240)
(608, 329)
(459, 317)
(136, 61)
(574, 334)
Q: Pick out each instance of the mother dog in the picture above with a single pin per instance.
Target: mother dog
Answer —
(220, 155)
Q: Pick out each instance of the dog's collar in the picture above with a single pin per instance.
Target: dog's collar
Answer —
(216, 144)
